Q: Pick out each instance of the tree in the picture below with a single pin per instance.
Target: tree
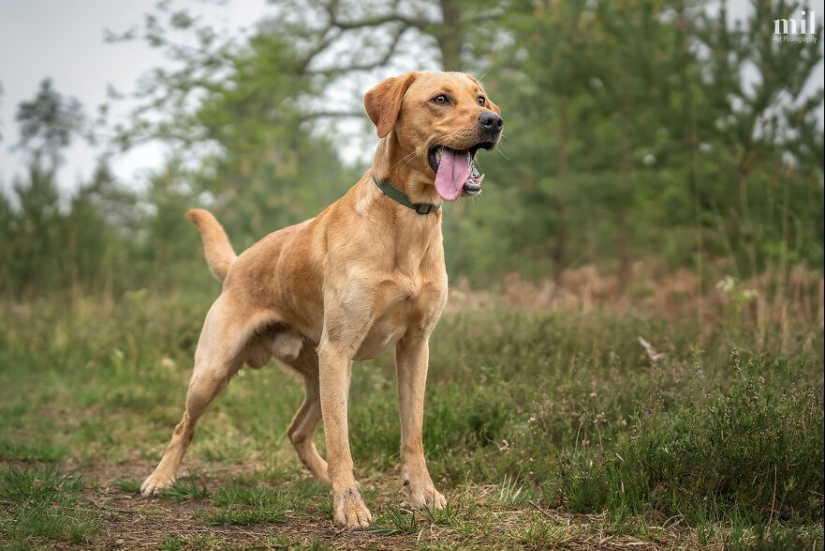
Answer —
(51, 244)
(47, 125)
(761, 134)
(629, 133)
(32, 238)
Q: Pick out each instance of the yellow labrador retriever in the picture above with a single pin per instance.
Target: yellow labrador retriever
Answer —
(366, 274)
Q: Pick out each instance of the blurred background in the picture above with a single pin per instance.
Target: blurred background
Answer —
(657, 155)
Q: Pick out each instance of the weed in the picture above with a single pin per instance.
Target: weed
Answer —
(763, 539)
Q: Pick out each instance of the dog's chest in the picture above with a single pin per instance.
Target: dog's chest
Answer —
(405, 306)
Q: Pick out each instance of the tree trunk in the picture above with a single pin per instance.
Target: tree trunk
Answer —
(449, 36)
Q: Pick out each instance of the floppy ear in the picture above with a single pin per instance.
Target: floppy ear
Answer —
(384, 101)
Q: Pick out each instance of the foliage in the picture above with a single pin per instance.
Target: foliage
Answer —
(677, 141)
(48, 124)
(695, 141)
(561, 412)
(731, 460)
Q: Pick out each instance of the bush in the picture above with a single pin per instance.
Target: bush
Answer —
(753, 454)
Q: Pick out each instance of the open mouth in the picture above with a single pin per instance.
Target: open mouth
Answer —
(455, 170)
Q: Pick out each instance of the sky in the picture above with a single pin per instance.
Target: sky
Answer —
(64, 40)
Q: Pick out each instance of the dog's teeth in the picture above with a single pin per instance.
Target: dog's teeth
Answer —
(438, 156)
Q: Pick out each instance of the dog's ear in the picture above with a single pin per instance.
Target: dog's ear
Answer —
(384, 101)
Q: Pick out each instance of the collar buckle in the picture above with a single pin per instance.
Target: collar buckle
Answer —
(424, 208)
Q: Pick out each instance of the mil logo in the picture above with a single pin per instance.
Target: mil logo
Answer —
(793, 30)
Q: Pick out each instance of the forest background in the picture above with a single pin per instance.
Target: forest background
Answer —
(642, 138)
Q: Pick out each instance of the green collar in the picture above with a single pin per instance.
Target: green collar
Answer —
(399, 196)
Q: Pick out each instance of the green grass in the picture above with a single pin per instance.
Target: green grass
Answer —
(542, 429)
(30, 453)
(128, 485)
(42, 504)
(185, 488)
(247, 506)
(395, 521)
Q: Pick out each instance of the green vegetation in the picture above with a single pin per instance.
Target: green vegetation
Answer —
(641, 131)
(633, 348)
(542, 428)
(42, 503)
(247, 506)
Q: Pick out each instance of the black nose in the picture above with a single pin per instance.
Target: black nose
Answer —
(490, 122)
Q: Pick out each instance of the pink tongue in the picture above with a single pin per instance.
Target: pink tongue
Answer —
(453, 171)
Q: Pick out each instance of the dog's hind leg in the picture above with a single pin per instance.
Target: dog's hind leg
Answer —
(218, 357)
(303, 425)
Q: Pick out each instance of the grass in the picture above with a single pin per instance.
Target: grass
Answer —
(247, 506)
(42, 502)
(543, 429)
(184, 489)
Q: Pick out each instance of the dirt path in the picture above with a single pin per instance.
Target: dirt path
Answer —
(132, 522)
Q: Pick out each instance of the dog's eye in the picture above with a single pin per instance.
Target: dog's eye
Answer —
(481, 101)
(441, 99)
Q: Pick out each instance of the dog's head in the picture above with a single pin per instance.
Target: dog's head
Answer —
(439, 121)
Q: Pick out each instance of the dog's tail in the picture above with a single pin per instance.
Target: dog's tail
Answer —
(219, 253)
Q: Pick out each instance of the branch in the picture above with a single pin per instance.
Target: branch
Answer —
(382, 61)
(419, 24)
(322, 45)
(334, 21)
(303, 117)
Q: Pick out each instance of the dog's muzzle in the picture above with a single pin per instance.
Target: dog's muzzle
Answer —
(455, 170)
(491, 125)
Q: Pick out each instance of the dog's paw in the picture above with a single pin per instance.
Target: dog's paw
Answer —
(155, 483)
(428, 499)
(421, 493)
(349, 509)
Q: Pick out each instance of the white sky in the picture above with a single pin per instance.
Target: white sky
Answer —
(63, 39)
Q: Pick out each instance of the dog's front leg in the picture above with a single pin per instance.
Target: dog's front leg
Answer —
(335, 368)
(412, 358)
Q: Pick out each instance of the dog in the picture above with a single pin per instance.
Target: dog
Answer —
(365, 275)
